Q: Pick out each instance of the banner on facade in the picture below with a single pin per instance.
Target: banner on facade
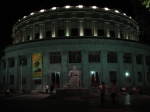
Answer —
(37, 65)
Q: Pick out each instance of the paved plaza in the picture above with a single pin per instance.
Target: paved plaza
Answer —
(47, 102)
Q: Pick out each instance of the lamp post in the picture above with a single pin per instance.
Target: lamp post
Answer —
(21, 78)
(124, 71)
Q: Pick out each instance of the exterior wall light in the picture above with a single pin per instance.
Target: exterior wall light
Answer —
(42, 10)
(106, 8)
(94, 7)
(80, 6)
(130, 17)
(32, 13)
(124, 14)
(116, 11)
(19, 20)
(67, 6)
(53, 8)
(24, 16)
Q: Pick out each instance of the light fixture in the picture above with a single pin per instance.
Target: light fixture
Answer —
(127, 74)
(116, 11)
(24, 16)
(124, 14)
(80, 6)
(67, 6)
(94, 7)
(130, 17)
(42, 10)
(31, 13)
(19, 20)
(53, 8)
(106, 8)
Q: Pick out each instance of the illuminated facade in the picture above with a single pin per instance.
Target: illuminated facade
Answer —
(95, 40)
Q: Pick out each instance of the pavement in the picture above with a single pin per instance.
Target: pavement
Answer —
(50, 102)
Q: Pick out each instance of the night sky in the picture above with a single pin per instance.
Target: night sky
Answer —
(12, 11)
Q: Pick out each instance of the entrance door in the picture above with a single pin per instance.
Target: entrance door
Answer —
(55, 79)
(94, 79)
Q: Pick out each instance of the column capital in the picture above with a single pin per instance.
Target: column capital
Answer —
(120, 53)
(84, 52)
(80, 20)
(104, 52)
(64, 52)
(16, 57)
(45, 53)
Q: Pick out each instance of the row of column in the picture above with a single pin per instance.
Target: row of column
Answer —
(84, 78)
(94, 26)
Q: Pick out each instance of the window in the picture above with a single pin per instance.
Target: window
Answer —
(112, 33)
(140, 77)
(148, 76)
(94, 56)
(74, 57)
(28, 37)
(48, 34)
(55, 57)
(74, 31)
(4, 64)
(121, 35)
(37, 81)
(36, 35)
(11, 62)
(23, 59)
(11, 79)
(87, 32)
(94, 79)
(3, 80)
(100, 32)
(112, 57)
(55, 79)
(139, 59)
(61, 32)
(113, 76)
(147, 60)
(127, 57)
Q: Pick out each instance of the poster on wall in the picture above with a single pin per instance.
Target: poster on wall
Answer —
(37, 65)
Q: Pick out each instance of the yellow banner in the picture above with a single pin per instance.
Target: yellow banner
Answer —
(37, 65)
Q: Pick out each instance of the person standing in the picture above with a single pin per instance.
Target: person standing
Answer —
(99, 89)
(47, 88)
(113, 92)
(103, 92)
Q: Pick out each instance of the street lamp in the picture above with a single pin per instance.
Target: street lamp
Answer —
(21, 78)
(124, 71)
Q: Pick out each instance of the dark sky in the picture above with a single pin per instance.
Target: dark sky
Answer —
(13, 10)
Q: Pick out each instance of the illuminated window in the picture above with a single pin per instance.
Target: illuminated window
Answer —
(112, 57)
(139, 59)
(140, 77)
(113, 76)
(94, 79)
(55, 57)
(127, 57)
(11, 79)
(94, 56)
(74, 57)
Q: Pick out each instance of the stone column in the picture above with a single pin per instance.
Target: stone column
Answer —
(24, 35)
(117, 31)
(94, 28)
(106, 29)
(7, 72)
(41, 25)
(105, 75)
(81, 27)
(145, 83)
(16, 74)
(121, 75)
(45, 73)
(126, 32)
(53, 27)
(64, 69)
(29, 81)
(31, 33)
(67, 28)
(85, 75)
(134, 68)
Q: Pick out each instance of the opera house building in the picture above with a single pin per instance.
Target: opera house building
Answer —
(102, 43)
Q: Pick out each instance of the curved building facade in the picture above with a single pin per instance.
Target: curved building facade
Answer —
(101, 43)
